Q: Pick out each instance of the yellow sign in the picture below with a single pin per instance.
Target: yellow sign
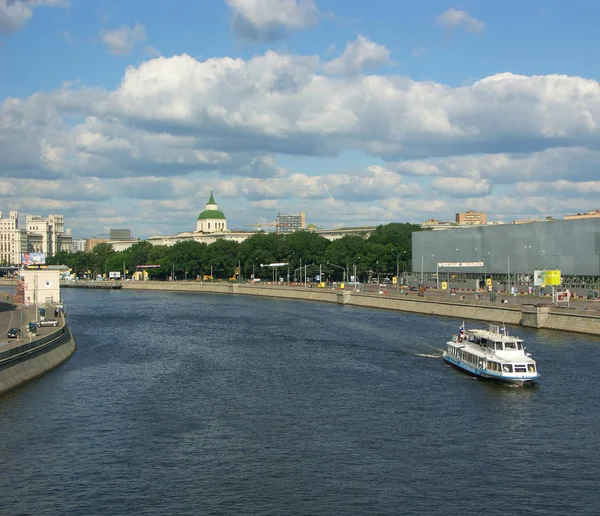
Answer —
(444, 285)
(394, 280)
(488, 282)
(547, 277)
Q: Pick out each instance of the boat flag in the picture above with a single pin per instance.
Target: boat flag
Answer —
(461, 330)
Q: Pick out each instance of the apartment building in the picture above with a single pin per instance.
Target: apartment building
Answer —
(290, 223)
(13, 240)
(78, 245)
(471, 217)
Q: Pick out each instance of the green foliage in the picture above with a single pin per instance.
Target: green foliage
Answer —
(388, 247)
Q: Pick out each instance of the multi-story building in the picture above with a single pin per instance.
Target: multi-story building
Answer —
(78, 245)
(120, 234)
(13, 240)
(48, 235)
(90, 243)
(471, 217)
(290, 223)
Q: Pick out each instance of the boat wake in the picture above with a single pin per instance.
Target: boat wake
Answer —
(429, 355)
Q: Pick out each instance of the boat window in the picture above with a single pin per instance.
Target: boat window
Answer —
(499, 346)
(520, 368)
(507, 368)
(510, 345)
(519, 345)
(531, 368)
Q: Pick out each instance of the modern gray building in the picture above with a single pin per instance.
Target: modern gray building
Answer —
(572, 246)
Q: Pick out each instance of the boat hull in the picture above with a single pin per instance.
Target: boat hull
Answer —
(481, 373)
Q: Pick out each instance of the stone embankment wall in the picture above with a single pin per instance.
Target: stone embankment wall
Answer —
(30, 360)
(525, 315)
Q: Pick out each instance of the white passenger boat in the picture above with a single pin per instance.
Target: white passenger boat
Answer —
(492, 354)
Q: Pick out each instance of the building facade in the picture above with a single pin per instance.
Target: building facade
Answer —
(48, 235)
(592, 214)
(90, 243)
(211, 226)
(572, 246)
(290, 223)
(78, 245)
(120, 234)
(211, 220)
(13, 240)
(471, 217)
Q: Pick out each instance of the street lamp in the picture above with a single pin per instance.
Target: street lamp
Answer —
(288, 272)
(398, 268)
(339, 267)
(354, 270)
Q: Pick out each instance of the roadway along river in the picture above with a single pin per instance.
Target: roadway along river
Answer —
(203, 404)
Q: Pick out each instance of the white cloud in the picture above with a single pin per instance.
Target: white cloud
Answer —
(267, 20)
(461, 186)
(177, 127)
(122, 40)
(453, 19)
(359, 55)
(16, 13)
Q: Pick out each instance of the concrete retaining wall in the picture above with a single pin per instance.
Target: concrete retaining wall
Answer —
(52, 351)
(530, 316)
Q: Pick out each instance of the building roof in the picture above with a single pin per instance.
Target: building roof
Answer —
(211, 214)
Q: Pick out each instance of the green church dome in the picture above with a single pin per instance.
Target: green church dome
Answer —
(211, 214)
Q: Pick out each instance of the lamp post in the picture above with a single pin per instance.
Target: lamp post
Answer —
(354, 271)
(339, 267)
(422, 260)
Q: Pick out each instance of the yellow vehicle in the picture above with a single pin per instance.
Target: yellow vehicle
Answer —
(207, 277)
(235, 274)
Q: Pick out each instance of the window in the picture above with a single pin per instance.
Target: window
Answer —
(520, 368)
(510, 345)
(507, 368)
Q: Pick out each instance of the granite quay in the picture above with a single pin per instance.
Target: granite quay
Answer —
(583, 316)
(30, 355)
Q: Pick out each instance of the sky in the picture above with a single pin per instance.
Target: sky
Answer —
(128, 114)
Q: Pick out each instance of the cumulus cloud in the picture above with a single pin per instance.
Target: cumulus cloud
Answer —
(122, 40)
(453, 19)
(359, 55)
(16, 13)
(181, 123)
(267, 20)
(461, 186)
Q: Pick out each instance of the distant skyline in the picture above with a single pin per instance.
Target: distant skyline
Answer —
(127, 114)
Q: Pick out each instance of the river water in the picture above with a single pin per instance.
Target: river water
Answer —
(228, 405)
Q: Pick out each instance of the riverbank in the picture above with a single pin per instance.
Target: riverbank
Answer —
(29, 357)
(583, 319)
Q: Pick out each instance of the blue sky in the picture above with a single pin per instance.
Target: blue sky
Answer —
(127, 114)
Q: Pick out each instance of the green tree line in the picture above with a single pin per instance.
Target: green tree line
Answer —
(388, 247)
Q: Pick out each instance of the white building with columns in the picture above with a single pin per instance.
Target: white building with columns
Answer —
(13, 240)
(211, 225)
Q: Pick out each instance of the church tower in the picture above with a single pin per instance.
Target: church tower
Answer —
(211, 220)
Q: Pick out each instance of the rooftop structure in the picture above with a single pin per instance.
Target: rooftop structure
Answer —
(211, 220)
(290, 223)
(471, 217)
(592, 214)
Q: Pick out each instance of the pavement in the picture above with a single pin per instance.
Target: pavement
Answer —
(461, 296)
(19, 317)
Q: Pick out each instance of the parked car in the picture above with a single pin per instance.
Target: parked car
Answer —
(14, 333)
(48, 322)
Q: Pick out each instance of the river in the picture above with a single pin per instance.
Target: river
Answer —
(228, 405)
